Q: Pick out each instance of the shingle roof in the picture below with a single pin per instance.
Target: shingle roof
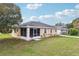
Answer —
(35, 23)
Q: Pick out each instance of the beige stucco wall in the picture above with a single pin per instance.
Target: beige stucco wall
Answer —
(42, 31)
(16, 32)
(53, 32)
(48, 32)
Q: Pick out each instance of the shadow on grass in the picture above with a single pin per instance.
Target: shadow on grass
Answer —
(11, 40)
(14, 42)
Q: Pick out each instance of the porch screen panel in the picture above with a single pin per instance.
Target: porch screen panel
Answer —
(23, 32)
(34, 32)
(31, 32)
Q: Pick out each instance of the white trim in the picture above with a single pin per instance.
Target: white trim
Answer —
(35, 27)
(28, 33)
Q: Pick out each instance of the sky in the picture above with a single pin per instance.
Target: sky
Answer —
(49, 13)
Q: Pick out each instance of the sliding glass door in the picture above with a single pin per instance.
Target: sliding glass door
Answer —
(34, 32)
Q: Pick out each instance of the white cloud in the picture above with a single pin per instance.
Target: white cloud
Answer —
(41, 17)
(33, 6)
(67, 12)
(58, 15)
(46, 17)
(33, 18)
(64, 12)
(23, 17)
(77, 6)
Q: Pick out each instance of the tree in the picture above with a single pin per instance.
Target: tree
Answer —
(75, 22)
(69, 25)
(9, 16)
(73, 31)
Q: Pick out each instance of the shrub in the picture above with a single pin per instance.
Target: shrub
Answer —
(73, 31)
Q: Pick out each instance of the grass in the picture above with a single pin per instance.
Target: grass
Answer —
(52, 46)
(4, 36)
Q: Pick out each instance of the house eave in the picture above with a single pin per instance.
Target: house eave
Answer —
(34, 27)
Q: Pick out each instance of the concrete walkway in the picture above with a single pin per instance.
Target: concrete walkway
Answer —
(70, 36)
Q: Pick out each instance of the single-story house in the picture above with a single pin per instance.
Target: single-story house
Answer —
(61, 30)
(33, 30)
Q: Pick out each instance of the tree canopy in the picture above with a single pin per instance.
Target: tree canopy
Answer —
(69, 25)
(75, 22)
(9, 15)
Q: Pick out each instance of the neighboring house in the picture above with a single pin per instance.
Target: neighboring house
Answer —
(61, 30)
(33, 30)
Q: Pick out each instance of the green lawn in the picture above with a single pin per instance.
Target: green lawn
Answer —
(47, 46)
(4, 36)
